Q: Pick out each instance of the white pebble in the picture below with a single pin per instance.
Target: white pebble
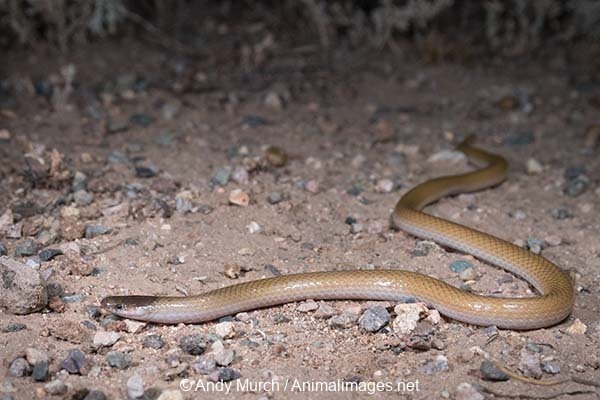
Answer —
(239, 197)
(253, 227)
(105, 339)
(452, 156)
(534, 167)
(135, 387)
(384, 186)
(226, 329)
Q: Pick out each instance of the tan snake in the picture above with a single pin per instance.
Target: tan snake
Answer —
(552, 305)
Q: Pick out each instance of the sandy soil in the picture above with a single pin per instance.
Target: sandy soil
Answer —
(347, 129)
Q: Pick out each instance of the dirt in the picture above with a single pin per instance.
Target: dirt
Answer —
(345, 126)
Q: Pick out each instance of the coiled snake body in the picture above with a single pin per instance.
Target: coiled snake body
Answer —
(553, 303)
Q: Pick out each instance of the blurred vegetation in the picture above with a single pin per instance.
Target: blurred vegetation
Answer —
(503, 26)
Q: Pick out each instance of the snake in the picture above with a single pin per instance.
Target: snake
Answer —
(551, 303)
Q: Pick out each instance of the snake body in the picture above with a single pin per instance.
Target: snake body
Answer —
(553, 303)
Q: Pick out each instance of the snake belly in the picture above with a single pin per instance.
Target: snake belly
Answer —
(552, 304)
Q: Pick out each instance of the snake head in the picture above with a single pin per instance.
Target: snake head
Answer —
(133, 307)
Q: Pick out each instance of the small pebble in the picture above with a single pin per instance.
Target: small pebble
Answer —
(74, 362)
(3, 249)
(384, 186)
(221, 176)
(407, 317)
(18, 368)
(468, 274)
(253, 227)
(240, 175)
(437, 365)
(535, 245)
(56, 387)
(26, 248)
(117, 359)
(35, 356)
(460, 265)
(577, 186)
(232, 271)
(324, 311)
(40, 371)
(553, 240)
(307, 306)
(106, 338)
(239, 198)
(135, 387)
(49, 254)
(422, 248)
(356, 227)
(194, 344)
(577, 328)
(154, 342)
(275, 197)
(534, 167)
(561, 213)
(374, 318)
(519, 215)
(171, 394)
(489, 372)
(450, 156)
(91, 231)
(530, 365)
(95, 395)
(466, 391)
(205, 364)
(225, 330)
(550, 367)
(312, 186)
(276, 156)
(342, 321)
(224, 357)
(224, 375)
(83, 198)
(146, 171)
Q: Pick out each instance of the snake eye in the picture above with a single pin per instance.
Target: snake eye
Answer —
(119, 306)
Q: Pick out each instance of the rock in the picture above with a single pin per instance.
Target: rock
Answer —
(356, 227)
(307, 306)
(170, 109)
(534, 167)
(553, 240)
(276, 156)
(225, 330)
(105, 338)
(95, 395)
(466, 391)
(146, 171)
(535, 245)
(232, 271)
(520, 138)
(530, 365)
(134, 326)
(74, 362)
(460, 265)
(56, 387)
(422, 248)
(324, 311)
(374, 318)
(170, 394)
(577, 186)
(221, 176)
(437, 365)
(224, 375)
(83, 198)
(489, 372)
(19, 368)
(407, 316)
(342, 321)
(117, 359)
(49, 254)
(224, 357)
(35, 356)
(91, 231)
(384, 186)
(26, 248)
(135, 387)
(154, 342)
(3, 249)
(194, 344)
(5, 134)
(40, 371)
(239, 198)
(253, 227)
(24, 290)
(577, 328)
(561, 213)
(450, 156)
(312, 186)
(550, 367)
(468, 274)
(273, 100)
(275, 197)
(205, 364)
(240, 175)
(80, 181)
(518, 214)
